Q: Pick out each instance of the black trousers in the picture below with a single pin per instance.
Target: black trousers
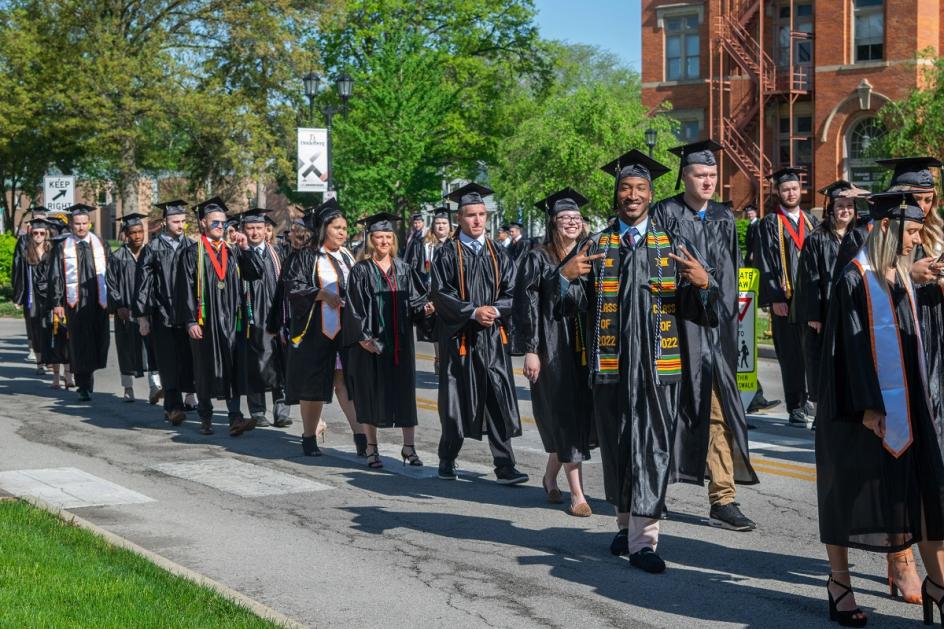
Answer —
(812, 348)
(450, 443)
(788, 341)
(205, 407)
(174, 363)
(85, 380)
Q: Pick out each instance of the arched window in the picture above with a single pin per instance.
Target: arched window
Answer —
(861, 169)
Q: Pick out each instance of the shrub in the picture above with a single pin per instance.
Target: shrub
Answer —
(7, 245)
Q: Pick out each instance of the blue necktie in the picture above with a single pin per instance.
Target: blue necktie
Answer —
(476, 245)
(701, 215)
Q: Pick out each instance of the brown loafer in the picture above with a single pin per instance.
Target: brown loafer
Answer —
(156, 396)
(176, 417)
(582, 510)
(554, 496)
(206, 426)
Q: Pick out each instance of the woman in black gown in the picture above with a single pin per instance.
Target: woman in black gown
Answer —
(880, 471)
(384, 298)
(314, 281)
(555, 357)
(815, 272)
(437, 235)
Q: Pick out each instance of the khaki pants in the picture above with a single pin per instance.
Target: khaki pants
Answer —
(642, 533)
(720, 462)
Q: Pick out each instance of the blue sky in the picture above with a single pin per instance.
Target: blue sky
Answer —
(609, 24)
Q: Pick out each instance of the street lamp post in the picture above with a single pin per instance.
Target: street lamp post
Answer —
(651, 135)
(314, 85)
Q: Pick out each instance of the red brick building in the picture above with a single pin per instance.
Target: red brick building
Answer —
(780, 82)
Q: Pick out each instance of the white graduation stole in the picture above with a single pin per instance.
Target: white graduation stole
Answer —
(888, 358)
(70, 263)
(328, 280)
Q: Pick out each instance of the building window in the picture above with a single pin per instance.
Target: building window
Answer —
(682, 47)
(802, 135)
(691, 122)
(860, 165)
(869, 30)
(802, 22)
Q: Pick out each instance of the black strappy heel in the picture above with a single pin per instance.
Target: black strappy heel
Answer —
(851, 618)
(373, 460)
(412, 457)
(928, 602)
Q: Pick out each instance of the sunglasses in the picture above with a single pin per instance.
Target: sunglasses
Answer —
(216, 224)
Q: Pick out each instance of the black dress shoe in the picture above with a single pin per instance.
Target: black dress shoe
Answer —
(759, 404)
(508, 475)
(447, 470)
(729, 517)
(620, 544)
(648, 561)
(282, 422)
(84, 395)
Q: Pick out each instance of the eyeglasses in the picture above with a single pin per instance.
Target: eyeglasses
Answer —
(216, 224)
(569, 220)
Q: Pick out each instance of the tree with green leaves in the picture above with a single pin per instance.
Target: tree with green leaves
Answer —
(915, 125)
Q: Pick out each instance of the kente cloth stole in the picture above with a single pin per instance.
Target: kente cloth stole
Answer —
(783, 224)
(666, 353)
(70, 269)
(888, 357)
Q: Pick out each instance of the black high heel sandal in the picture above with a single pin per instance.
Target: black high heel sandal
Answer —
(360, 444)
(373, 459)
(412, 457)
(928, 602)
(851, 618)
(310, 446)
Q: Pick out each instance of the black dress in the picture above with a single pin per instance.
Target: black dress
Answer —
(813, 288)
(560, 397)
(868, 498)
(135, 352)
(313, 348)
(382, 306)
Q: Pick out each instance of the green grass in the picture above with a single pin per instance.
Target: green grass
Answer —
(53, 574)
(8, 309)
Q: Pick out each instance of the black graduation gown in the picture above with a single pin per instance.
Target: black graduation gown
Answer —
(849, 247)
(560, 398)
(750, 236)
(135, 352)
(422, 263)
(265, 369)
(768, 261)
(219, 358)
(20, 283)
(310, 366)
(710, 354)
(465, 381)
(382, 386)
(154, 297)
(89, 334)
(413, 248)
(867, 498)
(26, 295)
(636, 417)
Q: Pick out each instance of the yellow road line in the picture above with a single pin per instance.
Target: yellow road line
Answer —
(787, 466)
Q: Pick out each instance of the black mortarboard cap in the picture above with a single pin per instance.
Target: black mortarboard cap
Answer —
(42, 222)
(900, 206)
(213, 204)
(327, 210)
(505, 227)
(231, 222)
(566, 200)
(786, 174)
(635, 164)
(380, 222)
(78, 209)
(516, 224)
(37, 209)
(254, 215)
(914, 172)
(130, 220)
(694, 154)
(469, 194)
(173, 208)
(416, 217)
(442, 212)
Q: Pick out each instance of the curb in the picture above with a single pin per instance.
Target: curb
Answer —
(176, 569)
(766, 351)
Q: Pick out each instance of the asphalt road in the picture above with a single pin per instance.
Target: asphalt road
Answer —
(332, 544)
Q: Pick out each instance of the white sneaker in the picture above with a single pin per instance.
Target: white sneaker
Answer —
(129, 394)
(31, 357)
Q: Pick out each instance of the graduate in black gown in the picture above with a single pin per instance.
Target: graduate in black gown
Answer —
(30, 267)
(633, 282)
(816, 271)
(211, 307)
(78, 295)
(780, 239)
(413, 247)
(135, 352)
(264, 365)
(315, 281)
(154, 306)
(555, 356)
(19, 251)
(384, 298)
(879, 462)
(712, 431)
(473, 280)
(422, 263)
